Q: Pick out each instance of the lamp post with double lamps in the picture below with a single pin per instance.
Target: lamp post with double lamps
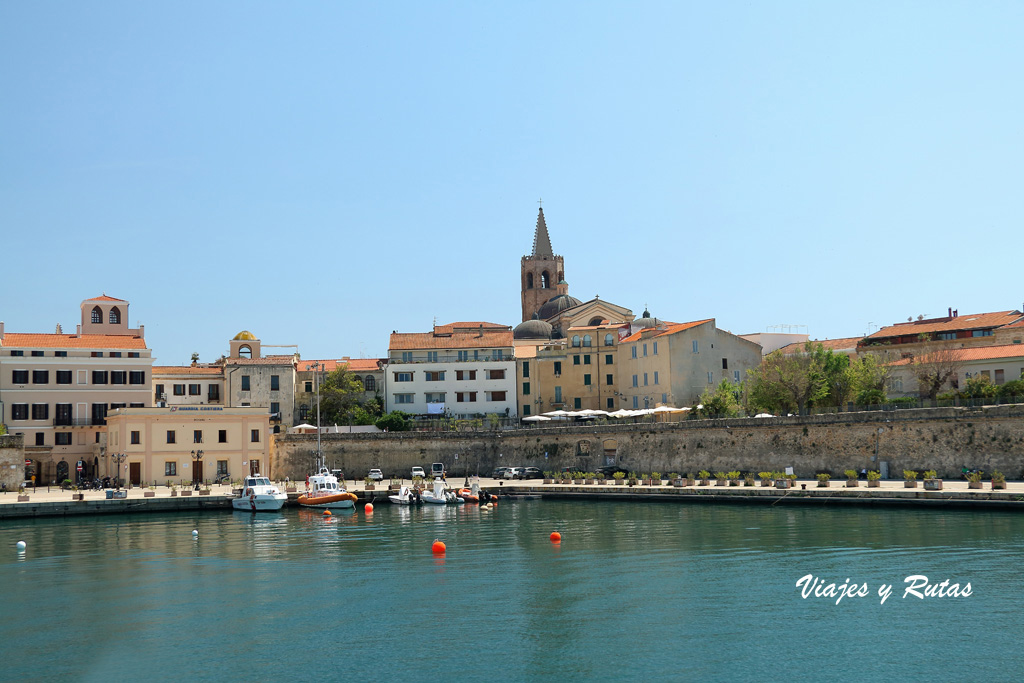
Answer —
(118, 459)
(197, 456)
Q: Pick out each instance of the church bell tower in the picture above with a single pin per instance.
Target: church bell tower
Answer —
(542, 272)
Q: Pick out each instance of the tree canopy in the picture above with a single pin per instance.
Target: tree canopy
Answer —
(340, 392)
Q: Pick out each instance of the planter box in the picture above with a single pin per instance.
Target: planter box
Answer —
(783, 484)
(204, 492)
(974, 484)
(998, 485)
(369, 487)
(824, 484)
(22, 499)
(579, 481)
(705, 482)
(678, 483)
(174, 494)
(691, 482)
(549, 481)
(910, 484)
(721, 482)
(874, 484)
(620, 482)
(77, 496)
(933, 484)
(186, 492)
(291, 489)
(748, 482)
(149, 494)
(567, 481)
(767, 482)
(852, 483)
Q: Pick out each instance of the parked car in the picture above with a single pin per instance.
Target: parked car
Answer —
(437, 469)
(418, 472)
(531, 473)
(512, 473)
(498, 473)
(376, 475)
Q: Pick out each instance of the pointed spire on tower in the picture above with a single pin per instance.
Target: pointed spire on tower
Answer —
(541, 241)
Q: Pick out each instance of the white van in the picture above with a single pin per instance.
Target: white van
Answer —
(437, 469)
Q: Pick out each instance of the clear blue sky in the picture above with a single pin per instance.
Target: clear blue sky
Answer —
(322, 173)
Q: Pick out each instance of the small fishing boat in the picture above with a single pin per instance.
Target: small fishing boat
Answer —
(440, 495)
(325, 492)
(468, 495)
(405, 496)
(259, 495)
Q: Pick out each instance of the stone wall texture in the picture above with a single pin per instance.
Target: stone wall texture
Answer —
(12, 461)
(941, 439)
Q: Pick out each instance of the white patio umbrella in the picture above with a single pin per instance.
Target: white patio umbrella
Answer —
(621, 412)
(558, 414)
(764, 415)
(536, 418)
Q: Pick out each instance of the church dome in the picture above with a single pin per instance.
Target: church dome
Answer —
(245, 335)
(646, 321)
(556, 305)
(532, 329)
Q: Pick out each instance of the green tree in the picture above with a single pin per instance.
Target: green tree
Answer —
(979, 386)
(395, 421)
(837, 375)
(1014, 388)
(340, 392)
(720, 401)
(786, 381)
(871, 373)
(934, 370)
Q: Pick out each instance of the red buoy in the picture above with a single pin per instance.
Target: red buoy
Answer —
(438, 547)
(327, 513)
(556, 537)
(368, 507)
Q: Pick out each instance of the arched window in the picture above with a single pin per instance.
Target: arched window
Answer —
(545, 280)
(529, 280)
(369, 383)
(115, 316)
(586, 340)
(97, 315)
(575, 340)
(245, 352)
(595, 321)
(609, 340)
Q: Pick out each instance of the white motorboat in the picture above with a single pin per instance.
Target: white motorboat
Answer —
(259, 495)
(406, 496)
(325, 492)
(440, 495)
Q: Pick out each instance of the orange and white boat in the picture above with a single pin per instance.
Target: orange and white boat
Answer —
(468, 495)
(325, 492)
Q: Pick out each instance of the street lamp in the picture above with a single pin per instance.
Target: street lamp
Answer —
(118, 459)
(198, 457)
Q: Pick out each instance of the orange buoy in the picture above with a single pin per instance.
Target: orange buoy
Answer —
(327, 513)
(439, 547)
(368, 507)
(556, 537)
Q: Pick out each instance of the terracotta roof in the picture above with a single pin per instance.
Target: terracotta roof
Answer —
(451, 328)
(1019, 323)
(186, 370)
(266, 360)
(974, 321)
(104, 297)
(972, 353)
(833, 344)
(489, 339)
(73, 341)
(354, 364)
(670, 328)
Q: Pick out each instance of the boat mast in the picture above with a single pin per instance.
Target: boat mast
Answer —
(317, 366)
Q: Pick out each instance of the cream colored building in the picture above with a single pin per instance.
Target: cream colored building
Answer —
(161, 444)
(57, 389)
(252, 379)
(188, 385)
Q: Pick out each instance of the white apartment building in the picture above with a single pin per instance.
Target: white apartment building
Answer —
(462, 369)
(56, 389)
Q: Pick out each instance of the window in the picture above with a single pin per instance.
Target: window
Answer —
(495, 374)
(254, 436)
(736, 376)
(62, 438)
(498, 354)
(575, 340)
(136, 438)
(17, 352)
(586, 340)
(636, 403)
(37, 354)
(275, 383)
(159, 391)
(695, 346)
(369, 383)
(586, 380)
(63, 377)
(711, 377)
(634, 351)
(645, 379)
(179, 389)
(99, 414)
(635, 384)
(222, 436)
(558, 394)
(403, 398)
(97, 354)
(576, 360)
(115, 354)
(195, 390)
(60, 354)
(611, 404)
(946, 336)
(725, 363)
(434, 376)
(40, 439)
(136, 405)
(435, 397)
(655, 348)
(245, 351)
(115, 316)
(403, 376)
(558, 368)
(197, 436)
(136, 377)
(999, 378)
(171, 437)
(655, 376)
(406, 356)
(40, 377)
(526, 369)
(133, 354)
(62, 414)
(526, 410)
(40, 411)
(981, 333)
(608, 380)
(463, 355)
(431, 356)
(245, 382)
(664, 399)
(115, 406)
(19, 411)
(495, 395)
(170, 469)
(97, 316)
(645, 350)
(608, 340)
(577, 403)
(222, 467)
(99, 376)
(19, 376)
(586, 359)
(118, 377)
(526, 388)
(465, 397)
(465, 375)
(308, 386)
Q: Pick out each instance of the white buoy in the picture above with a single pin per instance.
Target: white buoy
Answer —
(195, 532)
(21, 546)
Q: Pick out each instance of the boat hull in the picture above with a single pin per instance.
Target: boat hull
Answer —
(335, 501)
(261, 503)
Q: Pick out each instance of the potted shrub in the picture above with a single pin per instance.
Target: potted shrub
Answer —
(205, 491)
(174, 490)
(722, 479)
(974, 479)
(691, 480)
(591, 478)
(655, 479)
(620, 478)
(782, 481)
(874, 477)
(766, 478)
(705, 478)
(676, 480)
(998, 480)
(851, 478)
(578, 478)
(547, 478)
(150, 493)
(733, 477)
(748, 479)
(931, 482)
(632, 479)
(368, 484)
(909, 479)
(823, 479)
(22, 497)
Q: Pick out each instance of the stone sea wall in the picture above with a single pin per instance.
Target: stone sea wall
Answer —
(941, 439)
(12, 461)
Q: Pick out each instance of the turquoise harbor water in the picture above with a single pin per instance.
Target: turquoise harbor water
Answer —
(635, 591)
